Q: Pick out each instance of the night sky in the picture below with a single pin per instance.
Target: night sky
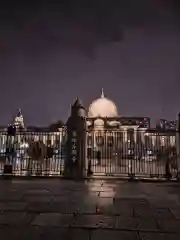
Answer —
(52, 53)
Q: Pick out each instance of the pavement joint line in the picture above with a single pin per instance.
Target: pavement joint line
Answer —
(91, 228)
(160, 179)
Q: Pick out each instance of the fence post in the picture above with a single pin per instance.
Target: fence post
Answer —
(178, 147)
(75, 163)
(11, 132)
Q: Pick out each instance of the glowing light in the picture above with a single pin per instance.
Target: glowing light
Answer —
(24, 145)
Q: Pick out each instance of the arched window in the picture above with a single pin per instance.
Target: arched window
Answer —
(110, 141)
(99, 139)
(130, 135)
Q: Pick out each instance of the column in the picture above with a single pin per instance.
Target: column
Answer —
(75, 163)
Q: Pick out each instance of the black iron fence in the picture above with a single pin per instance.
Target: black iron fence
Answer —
(109, 153)
(133, 153)
(33, 153)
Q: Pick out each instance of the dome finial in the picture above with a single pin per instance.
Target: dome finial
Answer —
(19, 113)
(102, 93)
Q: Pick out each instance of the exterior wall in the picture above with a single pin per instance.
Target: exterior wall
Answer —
(48, 138)
(121, 135)
(135, 135)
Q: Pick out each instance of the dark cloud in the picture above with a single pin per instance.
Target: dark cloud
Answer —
(51, 53)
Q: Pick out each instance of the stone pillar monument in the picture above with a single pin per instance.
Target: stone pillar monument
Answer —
(75, 164)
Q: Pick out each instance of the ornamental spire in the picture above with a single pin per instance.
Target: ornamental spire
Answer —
(102, 93)
(19, 119)
(19, 113)
(78, 103)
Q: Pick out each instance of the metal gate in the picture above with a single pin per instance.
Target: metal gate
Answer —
(140, 154)
(33, 153)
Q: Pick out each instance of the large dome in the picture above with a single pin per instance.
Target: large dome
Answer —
(102, 107)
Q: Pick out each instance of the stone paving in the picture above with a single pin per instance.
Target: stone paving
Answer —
(64, 209)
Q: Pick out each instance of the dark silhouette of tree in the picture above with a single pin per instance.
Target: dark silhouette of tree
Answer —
(35, 129)
(53, 127)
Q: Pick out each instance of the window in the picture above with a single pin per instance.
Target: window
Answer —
(57, 142)
(100, 140)
(110, 141)
(89, 141)
(48, 141)
(130, 135)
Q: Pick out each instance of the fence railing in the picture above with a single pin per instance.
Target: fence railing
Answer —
(133, 153)
(33, 153)
(109, 152)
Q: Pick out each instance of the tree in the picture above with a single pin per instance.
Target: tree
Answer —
(55, 126)
(34, 129)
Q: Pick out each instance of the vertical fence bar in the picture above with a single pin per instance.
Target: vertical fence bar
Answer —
(8, 167)
(178, 147)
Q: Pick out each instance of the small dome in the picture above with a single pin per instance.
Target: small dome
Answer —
(99, 123)
(102, 107)
(89, 123)
(114, 123)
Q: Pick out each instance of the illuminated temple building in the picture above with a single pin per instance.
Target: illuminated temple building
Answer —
(103, 124)
(102, 116)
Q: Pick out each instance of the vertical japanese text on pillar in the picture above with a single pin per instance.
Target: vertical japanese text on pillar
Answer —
(74, 146)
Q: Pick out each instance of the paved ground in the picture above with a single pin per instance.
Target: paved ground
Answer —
(62, 209)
